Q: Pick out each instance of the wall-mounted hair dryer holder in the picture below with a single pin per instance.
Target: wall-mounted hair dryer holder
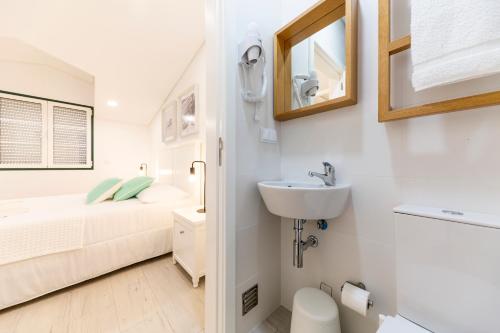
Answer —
(252, 63)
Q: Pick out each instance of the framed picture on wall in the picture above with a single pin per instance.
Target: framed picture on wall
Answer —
(188, 111)
(169, 122)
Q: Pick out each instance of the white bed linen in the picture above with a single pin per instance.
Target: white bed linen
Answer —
(109, 219)
(39, 226)
(116, 234)
(24, 280)
(49, 225)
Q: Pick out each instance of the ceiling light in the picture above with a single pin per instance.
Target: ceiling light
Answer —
(189, 118)
(112, 103)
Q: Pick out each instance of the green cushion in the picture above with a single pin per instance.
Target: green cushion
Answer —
(133, 187)
(105, 190)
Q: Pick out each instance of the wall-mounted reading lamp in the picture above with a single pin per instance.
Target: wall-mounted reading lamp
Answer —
(143, 169)
(192, 171)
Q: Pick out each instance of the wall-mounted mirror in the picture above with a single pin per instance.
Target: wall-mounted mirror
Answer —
(315, 61)
(318, 66)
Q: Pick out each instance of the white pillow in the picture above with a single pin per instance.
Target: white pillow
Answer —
(159, 192)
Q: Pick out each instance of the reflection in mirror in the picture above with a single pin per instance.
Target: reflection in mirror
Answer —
(319, 66)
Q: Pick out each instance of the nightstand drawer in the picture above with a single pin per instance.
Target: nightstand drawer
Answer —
(184, 240)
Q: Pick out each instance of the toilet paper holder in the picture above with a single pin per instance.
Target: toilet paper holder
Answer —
(359, 285)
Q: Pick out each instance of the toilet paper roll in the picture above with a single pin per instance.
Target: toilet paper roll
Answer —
(355, 298)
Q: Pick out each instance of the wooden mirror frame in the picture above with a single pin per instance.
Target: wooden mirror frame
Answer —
(324, 13)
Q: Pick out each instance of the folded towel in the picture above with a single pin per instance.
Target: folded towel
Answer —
(454, 40)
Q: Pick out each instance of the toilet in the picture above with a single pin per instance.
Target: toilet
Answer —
(447, 275)
(314, 312)
(447, 272)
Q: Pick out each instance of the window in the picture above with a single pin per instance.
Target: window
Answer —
(40, 134)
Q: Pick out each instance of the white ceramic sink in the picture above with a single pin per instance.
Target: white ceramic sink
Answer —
(304, 201)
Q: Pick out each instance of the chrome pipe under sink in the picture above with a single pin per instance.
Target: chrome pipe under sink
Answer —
(299, 246)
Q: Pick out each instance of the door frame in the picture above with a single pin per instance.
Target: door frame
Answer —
(220, 286)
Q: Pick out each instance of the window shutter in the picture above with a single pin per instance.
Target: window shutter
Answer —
(69, 136)
(22, 132)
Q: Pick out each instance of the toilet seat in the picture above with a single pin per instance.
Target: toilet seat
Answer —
(399, 324)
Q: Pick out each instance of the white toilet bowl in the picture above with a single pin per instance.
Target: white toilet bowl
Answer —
(314, 312)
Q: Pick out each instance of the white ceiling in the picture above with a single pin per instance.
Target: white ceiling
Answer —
(136, 49)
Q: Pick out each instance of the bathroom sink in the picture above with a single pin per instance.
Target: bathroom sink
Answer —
(305, 201)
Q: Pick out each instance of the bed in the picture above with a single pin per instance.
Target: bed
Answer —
(53, 242)
(111, 235)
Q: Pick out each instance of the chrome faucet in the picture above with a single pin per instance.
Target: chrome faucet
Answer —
(328, 177)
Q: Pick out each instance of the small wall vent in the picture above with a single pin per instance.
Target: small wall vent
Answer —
(250, 299)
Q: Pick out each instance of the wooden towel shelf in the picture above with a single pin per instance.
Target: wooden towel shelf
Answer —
(388, 48)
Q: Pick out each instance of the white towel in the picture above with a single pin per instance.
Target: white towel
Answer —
(454, 40)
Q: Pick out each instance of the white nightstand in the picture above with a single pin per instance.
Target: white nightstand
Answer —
(189, 242)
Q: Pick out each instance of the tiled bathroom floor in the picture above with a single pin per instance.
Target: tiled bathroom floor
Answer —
(278, 322)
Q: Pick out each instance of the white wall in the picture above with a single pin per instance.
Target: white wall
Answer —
(444, 160)
(136, 49)
(332, 40)
(28, 70)
(119, 149)
(257, 231)
(194, 74)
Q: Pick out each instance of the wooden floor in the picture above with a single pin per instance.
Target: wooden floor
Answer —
(153, 296)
